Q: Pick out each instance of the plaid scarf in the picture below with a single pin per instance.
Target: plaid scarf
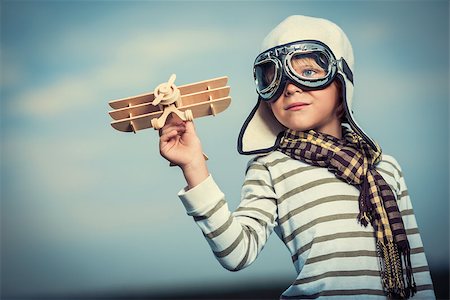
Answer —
(353, 160)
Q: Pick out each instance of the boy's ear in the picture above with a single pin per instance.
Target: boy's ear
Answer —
(340, 110)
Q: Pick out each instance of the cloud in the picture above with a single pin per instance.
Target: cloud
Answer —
(371, 33)
(11, 74)
(386, 84)
(73, 182)
(128, 62)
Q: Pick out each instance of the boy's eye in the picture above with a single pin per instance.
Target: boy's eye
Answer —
(307, 67)
(308, 73)
(311, 73)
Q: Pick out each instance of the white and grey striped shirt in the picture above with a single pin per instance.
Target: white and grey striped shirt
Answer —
(315, 215)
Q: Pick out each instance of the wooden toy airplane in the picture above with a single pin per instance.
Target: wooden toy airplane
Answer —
(190, 101)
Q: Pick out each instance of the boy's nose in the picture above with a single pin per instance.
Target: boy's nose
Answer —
(291, 89)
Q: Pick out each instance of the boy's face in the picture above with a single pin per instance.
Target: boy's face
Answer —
(304, 110)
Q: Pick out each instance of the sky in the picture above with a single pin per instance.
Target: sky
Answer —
(86, 208)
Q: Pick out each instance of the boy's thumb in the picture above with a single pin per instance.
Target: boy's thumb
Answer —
(190, 126)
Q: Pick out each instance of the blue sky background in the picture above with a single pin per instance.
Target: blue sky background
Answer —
(86, 208)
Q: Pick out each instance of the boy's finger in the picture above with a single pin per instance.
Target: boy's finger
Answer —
(166, 137)
(173, 120)
(190, 128)
(170, 127)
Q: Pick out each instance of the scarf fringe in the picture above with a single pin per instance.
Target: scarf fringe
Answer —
(412, 287)
(364, 219)
(392, 276)
(365, 215)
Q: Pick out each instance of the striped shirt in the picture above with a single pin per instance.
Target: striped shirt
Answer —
(315, 215)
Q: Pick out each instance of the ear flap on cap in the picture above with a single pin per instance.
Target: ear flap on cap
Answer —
(260, 132)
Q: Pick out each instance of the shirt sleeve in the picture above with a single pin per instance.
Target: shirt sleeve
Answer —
(419, 262)
(235, 238)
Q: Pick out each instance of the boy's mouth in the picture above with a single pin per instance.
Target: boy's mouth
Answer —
(296, 106)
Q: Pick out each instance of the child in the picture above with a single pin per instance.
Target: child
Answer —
(318, 180)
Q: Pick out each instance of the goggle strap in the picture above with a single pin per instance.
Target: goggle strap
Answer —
(346, 69)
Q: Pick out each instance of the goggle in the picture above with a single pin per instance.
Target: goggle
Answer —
(311, 65)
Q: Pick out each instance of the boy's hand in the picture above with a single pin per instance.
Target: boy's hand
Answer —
(178, 142)
(180, 145)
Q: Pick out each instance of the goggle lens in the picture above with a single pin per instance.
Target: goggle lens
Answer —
(310, 66)
(265, 74)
